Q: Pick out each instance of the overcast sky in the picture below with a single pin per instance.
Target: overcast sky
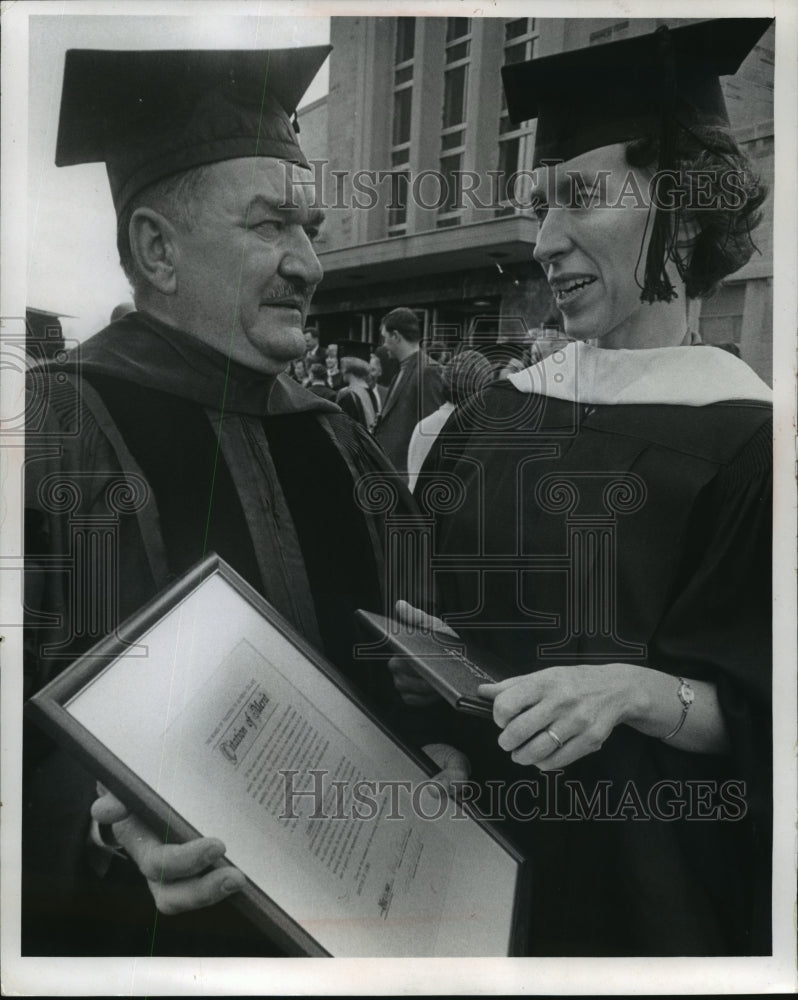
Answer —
(73, 266)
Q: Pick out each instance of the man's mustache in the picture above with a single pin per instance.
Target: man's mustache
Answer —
(290, 290)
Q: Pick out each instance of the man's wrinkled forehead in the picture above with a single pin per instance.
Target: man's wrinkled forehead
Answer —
(266, 182)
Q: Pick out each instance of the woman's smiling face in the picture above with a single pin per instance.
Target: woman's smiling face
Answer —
(593, 214)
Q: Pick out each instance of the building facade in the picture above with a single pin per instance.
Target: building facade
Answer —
(423, 173)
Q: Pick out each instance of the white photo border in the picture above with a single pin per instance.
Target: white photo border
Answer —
(216, 976)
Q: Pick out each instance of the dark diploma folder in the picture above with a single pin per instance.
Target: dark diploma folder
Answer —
(441, 659)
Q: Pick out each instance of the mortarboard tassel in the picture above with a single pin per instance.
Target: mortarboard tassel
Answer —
(656, 285)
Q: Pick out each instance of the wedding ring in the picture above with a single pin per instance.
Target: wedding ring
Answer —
(555, 737)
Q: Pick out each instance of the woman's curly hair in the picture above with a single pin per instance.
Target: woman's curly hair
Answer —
(723, 242)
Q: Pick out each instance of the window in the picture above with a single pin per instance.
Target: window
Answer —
(517, 53)
(508, 164)
(404, 52)
(457, 56)
(610, 34)
(520, 35)
(518, 27)
(457, 28)
(405, 39)
(456, 52)
(402, 106)
(450, 173)
(455, 87)
(450, 140)
(515, 141)
(397, 205)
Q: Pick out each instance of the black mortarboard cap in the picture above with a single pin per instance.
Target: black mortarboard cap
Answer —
(154, 113)
(597, 96)
(353, 349)
(650, 85)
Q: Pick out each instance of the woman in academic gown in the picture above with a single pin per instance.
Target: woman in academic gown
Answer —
(626, 583)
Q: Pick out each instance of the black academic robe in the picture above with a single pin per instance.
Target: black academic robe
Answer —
(359, 404)
(625, 533)
(416, 390)
(145, 452)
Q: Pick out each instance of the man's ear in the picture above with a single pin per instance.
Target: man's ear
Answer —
(152, 245)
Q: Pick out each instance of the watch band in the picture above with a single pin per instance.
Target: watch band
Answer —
(686, 696)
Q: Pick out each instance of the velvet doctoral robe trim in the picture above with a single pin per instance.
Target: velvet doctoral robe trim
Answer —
(144, 350)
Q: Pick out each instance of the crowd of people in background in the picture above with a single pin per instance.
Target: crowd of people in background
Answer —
(421, 383)
(361, 377)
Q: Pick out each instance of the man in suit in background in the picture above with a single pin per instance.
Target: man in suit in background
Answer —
(314, 352)
(416, 389)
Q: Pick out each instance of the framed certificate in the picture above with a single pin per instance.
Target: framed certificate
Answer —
(207, 714)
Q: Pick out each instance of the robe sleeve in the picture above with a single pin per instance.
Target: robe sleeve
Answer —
(349, 404)
(719, 628)
(81, 483)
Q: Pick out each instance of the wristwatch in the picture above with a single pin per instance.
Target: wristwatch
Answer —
(686, 696)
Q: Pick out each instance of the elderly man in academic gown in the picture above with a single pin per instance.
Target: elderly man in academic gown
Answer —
(174, 432)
